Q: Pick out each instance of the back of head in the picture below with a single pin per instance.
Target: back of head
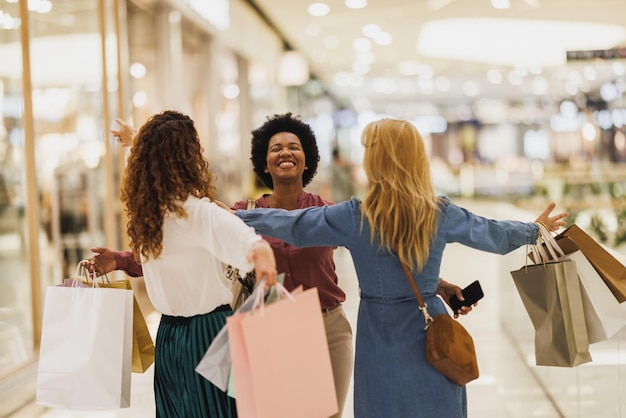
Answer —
(165, 166)
(401, 203)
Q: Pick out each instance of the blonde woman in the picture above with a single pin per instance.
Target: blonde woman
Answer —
(401, 220)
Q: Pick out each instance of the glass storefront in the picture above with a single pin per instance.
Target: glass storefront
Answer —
(16, 321)
(61, 87)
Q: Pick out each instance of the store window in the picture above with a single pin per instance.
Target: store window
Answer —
(16, 332)
(66, 72)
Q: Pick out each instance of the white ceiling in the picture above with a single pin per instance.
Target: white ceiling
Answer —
(327, 42)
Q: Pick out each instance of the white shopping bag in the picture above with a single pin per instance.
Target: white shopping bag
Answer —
(603, 314)
(86, 348)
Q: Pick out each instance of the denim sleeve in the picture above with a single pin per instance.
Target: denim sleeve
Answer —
(320, 226)
(494, 236)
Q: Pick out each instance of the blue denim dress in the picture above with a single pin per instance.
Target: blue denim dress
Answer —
(392, 377)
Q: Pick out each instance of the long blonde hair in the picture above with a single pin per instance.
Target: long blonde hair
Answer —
(401, 205)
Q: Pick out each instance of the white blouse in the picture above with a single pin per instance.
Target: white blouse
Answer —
(187, 278)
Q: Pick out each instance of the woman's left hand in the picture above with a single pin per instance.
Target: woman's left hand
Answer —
(447, 290)
(554, 222)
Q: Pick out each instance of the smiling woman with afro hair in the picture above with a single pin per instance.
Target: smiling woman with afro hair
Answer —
(283, 123)
(285, 158)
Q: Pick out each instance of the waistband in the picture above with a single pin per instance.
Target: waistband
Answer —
(326, 311)
(179, 319)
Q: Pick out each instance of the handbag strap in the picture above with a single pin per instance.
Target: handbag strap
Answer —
(422, 305)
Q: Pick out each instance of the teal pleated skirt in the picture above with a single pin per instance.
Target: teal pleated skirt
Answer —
(180, 392)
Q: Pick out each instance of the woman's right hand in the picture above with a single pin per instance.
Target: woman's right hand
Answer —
(262, 255)
(101, 263)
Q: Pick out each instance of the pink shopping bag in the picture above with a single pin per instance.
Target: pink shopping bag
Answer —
(280, 359)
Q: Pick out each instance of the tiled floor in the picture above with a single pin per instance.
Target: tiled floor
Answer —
(506, 388)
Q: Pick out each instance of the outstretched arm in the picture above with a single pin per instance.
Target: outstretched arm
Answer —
(106, 260)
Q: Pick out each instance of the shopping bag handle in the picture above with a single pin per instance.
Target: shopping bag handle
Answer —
(259, 300)
(545, 241)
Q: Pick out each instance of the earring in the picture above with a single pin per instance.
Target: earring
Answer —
(266, 170)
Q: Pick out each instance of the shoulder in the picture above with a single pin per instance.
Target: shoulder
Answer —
(310, 199)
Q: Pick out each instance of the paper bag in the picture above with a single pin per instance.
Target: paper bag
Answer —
(552, 297)
(215, 365)
(603, 314)
(280, 358)
(86, 348)
(610, 269)
(143, 346)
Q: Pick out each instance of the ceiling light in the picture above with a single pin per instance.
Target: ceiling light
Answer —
(318, 9)
(371, 30)
(542, 43)
(137, 70)
(494, 76)
(383, 38)
(355, 4)
(618, 68)
(362, 44)
(408, 67)
(501, 4)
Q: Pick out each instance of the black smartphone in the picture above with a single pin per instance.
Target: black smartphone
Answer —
(472, 294)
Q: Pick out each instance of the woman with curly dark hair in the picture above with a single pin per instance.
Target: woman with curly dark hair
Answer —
(182, 238)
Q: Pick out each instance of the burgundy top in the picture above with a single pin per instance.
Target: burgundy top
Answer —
(309, 267)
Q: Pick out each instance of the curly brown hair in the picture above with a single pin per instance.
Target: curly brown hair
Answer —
(283, 123)
(165, 167)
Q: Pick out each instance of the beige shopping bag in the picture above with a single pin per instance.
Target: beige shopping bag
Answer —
(551, 293)
(552, 297)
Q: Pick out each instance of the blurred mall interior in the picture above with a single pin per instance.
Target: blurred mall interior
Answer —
(520, 102)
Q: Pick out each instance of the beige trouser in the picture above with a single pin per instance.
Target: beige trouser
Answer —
(339, 336)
